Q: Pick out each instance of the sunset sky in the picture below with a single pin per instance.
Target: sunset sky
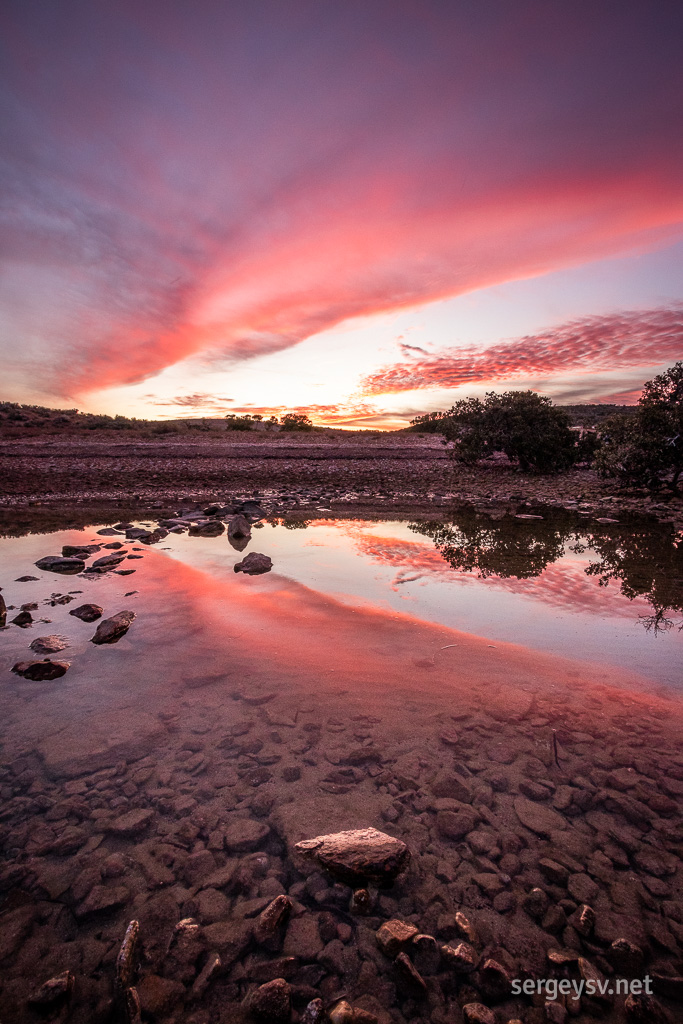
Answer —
(362, 209)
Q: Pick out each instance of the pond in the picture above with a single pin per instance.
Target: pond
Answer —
(499, 693)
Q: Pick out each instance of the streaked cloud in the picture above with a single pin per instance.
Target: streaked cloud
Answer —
(641, 338)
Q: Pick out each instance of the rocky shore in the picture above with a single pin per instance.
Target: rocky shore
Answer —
(403, 474)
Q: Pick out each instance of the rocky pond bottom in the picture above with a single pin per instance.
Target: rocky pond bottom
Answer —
(254, 800)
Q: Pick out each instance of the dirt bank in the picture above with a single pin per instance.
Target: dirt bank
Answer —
(376, 476)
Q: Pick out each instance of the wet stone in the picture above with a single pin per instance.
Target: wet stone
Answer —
(456, 825)
(54, 990)
(254, 564)
(477, 1013)
(554, 872)
(49, 644)
(41, 671)
(65, 566)
(540, 819)
(103, 898)
(112, 629)
(132, 823)
(359, 854)
(627, 959)
(582, 888)
(494, 980)
(271, 1002)
(409, 974)
(462, 959)
(425, 954)
(314, 1012)
(87, 612)
(245, 835)
(394, 936)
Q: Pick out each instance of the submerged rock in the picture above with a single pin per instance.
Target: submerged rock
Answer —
(254, 564)
(87, 612)
(49, 644)
(126, 960)
(66, 566)
(395, 936)
(111, 630)
(41, 671)
(359, 854)
(53, 990)
(541, 820)
(271, 1002)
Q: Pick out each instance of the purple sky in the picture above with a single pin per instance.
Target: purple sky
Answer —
(259, 205)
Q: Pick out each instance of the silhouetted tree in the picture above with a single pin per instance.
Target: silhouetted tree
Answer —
(647, 449)
(524, 425)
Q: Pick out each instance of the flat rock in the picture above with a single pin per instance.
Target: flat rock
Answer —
(254, 564)
(102, 898)
(131, 823)
(41, 671)
(359, 854)
(66, 566)
(49, 644)
(87, 612)
(111, 630)
(540, 819)
(244, 835)
(108, 561)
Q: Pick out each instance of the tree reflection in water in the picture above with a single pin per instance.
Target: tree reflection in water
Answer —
(646, 560)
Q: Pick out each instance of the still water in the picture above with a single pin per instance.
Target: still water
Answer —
(491, 691)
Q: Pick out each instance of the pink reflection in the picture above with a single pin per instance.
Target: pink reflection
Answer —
(273, 629)
(562, 585)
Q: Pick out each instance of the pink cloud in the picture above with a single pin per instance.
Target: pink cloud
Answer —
(644, 338)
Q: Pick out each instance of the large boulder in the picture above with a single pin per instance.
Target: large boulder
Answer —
(254, 564)
(111, 630)
(359, 855)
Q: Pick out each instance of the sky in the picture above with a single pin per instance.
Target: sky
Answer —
(359, 209)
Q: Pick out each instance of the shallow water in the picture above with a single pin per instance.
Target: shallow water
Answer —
(379, 671)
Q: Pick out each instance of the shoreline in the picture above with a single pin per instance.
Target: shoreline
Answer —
(72, 480)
